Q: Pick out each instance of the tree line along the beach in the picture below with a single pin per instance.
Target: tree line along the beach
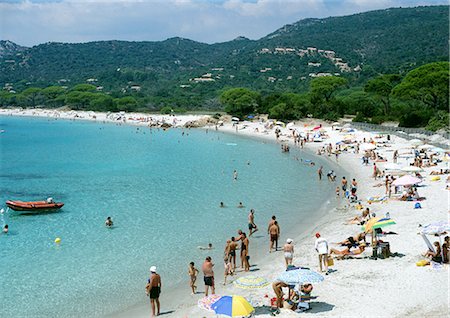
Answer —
(418, 99)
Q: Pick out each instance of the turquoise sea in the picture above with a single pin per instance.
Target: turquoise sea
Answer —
(162, 190)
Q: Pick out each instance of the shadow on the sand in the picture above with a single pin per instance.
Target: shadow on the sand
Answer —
(316, 307)
(320, 306)
(254, 270)
(262, 310)
(167, 312)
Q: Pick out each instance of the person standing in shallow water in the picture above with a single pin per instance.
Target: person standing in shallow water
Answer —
(320, 172)
(208, 276)
(153, 289)
(274, 232)
(251, 222)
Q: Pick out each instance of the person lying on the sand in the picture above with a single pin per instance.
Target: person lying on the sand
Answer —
(353, 240)
(434, 173)
(360, 219)
(361, 247)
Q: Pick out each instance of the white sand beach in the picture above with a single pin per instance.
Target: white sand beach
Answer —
(356, 287)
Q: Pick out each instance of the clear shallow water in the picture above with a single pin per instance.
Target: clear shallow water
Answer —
(162, 190)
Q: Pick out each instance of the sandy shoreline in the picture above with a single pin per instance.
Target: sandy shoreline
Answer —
(393, 287)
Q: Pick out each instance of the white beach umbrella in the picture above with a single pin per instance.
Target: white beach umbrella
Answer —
(412, 169)
(290, 125)
(406, 181)
(235, 119)
(367, 146)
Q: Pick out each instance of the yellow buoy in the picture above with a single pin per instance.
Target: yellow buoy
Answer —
(57, 240)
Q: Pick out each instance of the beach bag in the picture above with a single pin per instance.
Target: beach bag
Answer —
(417, 206)
(423, 262)
(330, 261)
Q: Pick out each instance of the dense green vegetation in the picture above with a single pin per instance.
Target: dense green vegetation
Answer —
(384, 66)
(419, 99)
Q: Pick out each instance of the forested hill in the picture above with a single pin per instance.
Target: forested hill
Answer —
(357, 46)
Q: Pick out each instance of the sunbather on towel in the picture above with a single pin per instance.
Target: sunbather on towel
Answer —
(347, 251)
(353, 240)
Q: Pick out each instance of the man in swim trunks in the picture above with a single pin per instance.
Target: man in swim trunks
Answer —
(274, 232)
(208, 275)
(153, 289)
(344, 185)
(232, 252)
(251, 222)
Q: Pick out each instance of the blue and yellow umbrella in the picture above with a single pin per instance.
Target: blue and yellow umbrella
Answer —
(233, 306)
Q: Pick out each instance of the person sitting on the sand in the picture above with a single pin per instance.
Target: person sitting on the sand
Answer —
(435, 256)
(347, 251)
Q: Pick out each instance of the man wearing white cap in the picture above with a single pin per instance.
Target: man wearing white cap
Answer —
(153, 289)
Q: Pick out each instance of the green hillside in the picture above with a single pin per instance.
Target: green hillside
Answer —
(183, 74)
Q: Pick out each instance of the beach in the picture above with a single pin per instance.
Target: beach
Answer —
(364, 287)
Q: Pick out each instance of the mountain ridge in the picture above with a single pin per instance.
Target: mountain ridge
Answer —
(381, 41)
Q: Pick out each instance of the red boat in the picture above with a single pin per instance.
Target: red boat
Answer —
(31, 206)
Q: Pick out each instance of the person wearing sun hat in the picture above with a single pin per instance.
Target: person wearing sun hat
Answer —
(288, 251)
(321, 246)
(153, 289)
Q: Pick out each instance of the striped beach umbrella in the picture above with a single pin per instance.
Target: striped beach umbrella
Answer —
(300, 276)
(206, 302)
(382, 223)
(233, 306)
(251, 282)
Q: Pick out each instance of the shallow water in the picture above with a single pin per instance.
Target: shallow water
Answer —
(162, 190)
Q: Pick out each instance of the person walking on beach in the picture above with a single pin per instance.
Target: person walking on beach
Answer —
(321, 246)
(354, 186)
(320, 172)
(192, 271)
(251, 222)
(344, 185)
(288, 251)
(274, 232)
(153, 289)
(208, 276)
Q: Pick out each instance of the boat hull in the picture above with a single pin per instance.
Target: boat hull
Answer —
(36, 206)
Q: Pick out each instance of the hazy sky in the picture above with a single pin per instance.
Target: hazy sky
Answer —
(37, 21)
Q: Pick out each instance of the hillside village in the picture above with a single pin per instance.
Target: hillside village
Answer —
(309, 52)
